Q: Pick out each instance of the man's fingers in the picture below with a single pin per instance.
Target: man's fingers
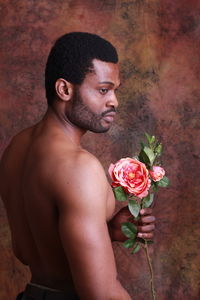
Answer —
(146, 228)
(146, 224)
(147, 236)
(147, 219)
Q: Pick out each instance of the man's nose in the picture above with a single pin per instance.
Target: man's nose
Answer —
(112, 101)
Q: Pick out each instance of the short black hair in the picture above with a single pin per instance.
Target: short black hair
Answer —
(71, 58)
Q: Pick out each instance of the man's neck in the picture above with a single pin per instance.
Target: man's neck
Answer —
(59, 119)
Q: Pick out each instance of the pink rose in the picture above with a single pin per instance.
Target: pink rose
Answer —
(157, 173)
(132, 175)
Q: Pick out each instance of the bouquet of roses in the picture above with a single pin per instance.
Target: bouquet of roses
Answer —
(136, 180)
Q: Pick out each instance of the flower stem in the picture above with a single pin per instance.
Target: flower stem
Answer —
(151, 271)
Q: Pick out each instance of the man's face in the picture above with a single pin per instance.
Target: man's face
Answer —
(94, 102)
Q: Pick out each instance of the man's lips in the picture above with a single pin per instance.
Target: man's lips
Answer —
(109, 117)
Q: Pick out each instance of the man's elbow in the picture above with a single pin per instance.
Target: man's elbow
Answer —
(110, 291)
(118, 293)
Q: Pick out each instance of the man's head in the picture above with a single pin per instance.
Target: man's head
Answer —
(71, 59)
(94, 102)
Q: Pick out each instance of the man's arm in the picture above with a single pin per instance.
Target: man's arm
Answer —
(82, 192)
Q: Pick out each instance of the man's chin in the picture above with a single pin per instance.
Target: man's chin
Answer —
(101, 129)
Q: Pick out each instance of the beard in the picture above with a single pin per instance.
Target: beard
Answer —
(82, 116)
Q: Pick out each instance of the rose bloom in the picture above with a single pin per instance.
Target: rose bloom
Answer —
(157, 173)
(132, 175)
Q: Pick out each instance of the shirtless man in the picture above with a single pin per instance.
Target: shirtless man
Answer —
(59, 203)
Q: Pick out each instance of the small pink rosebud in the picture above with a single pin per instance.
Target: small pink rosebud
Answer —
(157, 173)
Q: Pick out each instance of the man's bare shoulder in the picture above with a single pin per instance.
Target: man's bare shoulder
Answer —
(78, 178)
(86, 162)
(79, 165)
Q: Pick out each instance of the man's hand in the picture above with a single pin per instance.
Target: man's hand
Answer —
(145, 224)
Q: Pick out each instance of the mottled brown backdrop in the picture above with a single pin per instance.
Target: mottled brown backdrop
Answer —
(159, 49)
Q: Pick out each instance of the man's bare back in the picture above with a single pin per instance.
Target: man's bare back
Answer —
(29, 173)
(58, 201)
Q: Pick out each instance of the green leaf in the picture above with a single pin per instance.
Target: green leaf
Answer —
(136, 248)
(129, 243)
(149, 152)
(150, 139)
(134, 207)
(147, 201)
(147, 156)
(120, 195)
(154, 186)
(158, 149)
(144, 158)
(142, 145)
(129, 230)
(164, 182)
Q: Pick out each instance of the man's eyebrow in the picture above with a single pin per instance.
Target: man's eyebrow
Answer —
(108, 82)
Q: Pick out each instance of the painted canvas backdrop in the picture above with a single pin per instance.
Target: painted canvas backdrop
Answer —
(158, 44)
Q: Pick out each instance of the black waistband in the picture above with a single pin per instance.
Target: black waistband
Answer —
(43, 293)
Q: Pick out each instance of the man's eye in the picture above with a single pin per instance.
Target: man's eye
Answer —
(103, 91)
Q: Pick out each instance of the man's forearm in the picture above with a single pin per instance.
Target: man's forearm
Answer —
(116, 235)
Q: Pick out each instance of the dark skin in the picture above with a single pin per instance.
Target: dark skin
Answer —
(59, 203)
(145, 224)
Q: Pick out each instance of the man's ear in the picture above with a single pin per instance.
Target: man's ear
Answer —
(64, 89)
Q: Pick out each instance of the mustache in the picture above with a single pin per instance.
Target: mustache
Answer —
(113, 109)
